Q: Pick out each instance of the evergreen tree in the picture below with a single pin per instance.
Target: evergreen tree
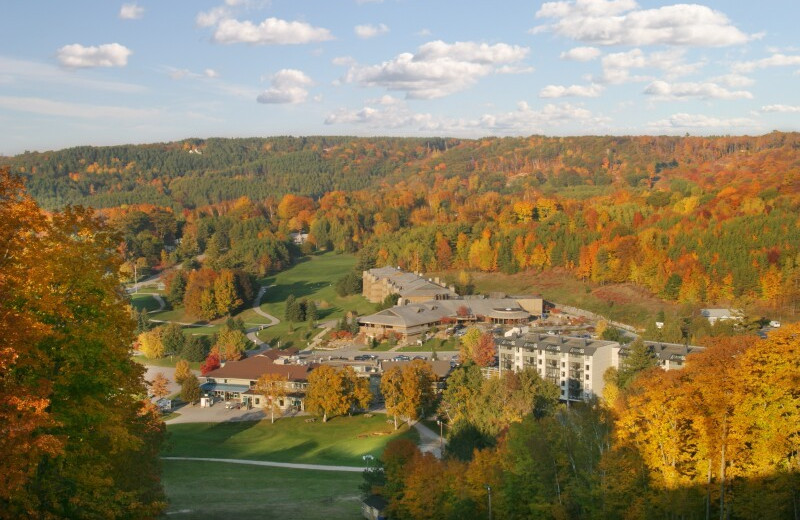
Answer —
(176, 289)
(639, 359)
(190, 389)
(195, 348)
(311, 314)
(290, 303)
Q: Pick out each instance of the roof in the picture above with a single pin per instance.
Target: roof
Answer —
(223, 387)
(254, 367)
(440, 367)
(409, 284)
(671, 351)
(375, 502)
(430, 312)
(721, 313)
(410, 315)
(560, 344)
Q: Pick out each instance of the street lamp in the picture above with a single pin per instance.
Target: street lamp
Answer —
(441, 437)
(489, 489)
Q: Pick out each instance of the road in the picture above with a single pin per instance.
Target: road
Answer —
(316, 467)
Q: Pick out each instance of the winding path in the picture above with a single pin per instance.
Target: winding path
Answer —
(316, 467)
(252, 333)
(429, 440)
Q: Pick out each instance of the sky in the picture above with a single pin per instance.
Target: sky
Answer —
(110, 72)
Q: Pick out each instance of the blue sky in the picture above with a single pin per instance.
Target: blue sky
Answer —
(107, 72)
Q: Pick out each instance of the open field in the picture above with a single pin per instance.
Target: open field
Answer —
(204, 490)
(144, 301)
(626, 303)
(312, 278)
(342, 441)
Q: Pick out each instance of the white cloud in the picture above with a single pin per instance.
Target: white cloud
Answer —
(621, 22)
(272, 31)
(370, 31)
(557, 91)
(437, 69)
(30, 73)
(617, 66)
(212, 17)
(131, 12)
(107, 55)
(776, 60)
(391, 113)
(671, 91)
(581, 54)
(211, 73)
(286, 86)
(49, 107)
(685, 121)
(784, 109)
(733, 80)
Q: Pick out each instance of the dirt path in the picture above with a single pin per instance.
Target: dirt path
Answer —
(316, 467)
(429, 440)
(252, 333)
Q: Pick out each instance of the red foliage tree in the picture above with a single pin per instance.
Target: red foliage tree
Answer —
(211, 363)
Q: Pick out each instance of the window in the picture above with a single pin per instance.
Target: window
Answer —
(563, 374)
(540, 361)
(280, 403)
(587, 377)
(258, 400)
(563, 364)
(587, 367)
(562, 383)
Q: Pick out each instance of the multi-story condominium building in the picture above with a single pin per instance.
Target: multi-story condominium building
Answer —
(576, 365)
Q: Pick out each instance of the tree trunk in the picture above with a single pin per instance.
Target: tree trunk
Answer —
(325, 417)
(395, 421)
(722, 485)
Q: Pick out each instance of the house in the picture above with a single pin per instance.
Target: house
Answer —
(299, 238)
(236, 380)
(577, 365)
(411, 321)
(373, 507)
(715, 315)
(380, 282)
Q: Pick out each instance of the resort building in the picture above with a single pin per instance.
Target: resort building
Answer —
(576, 365)
(380, 282)
(237, 379)
(411, 321)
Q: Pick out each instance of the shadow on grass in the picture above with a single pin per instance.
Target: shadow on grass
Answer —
(300, 290)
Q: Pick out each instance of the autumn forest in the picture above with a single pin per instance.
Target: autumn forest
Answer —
(690, 221)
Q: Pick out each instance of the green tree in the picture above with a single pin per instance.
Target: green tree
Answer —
(176, 288)
(639, 359)
(311, 314)
(231, 344)
(190, 389)
(173, 339)
(195, 349)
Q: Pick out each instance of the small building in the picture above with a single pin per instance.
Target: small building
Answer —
(715, 315)
(374, 507)
(299, 238)
(165, 405)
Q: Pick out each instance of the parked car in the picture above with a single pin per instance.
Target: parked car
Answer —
(401, 357)
(360, 357)
(420, 357)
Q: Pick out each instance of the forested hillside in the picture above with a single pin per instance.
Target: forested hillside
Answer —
(695, 220)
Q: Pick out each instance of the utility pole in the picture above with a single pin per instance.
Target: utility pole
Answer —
(441, 437)
(489, 489)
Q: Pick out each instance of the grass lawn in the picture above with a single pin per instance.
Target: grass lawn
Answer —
(312, 278)
(204, 490)
(341, 441)
(164, 362)
(144, 301)
(626, 302)
(448, 345)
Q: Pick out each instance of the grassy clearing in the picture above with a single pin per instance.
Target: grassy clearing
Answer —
(313, 278)
(341, 441)
(203, 490)
(144, 301)
(448, 345)
(167, 362)
(626, 303)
